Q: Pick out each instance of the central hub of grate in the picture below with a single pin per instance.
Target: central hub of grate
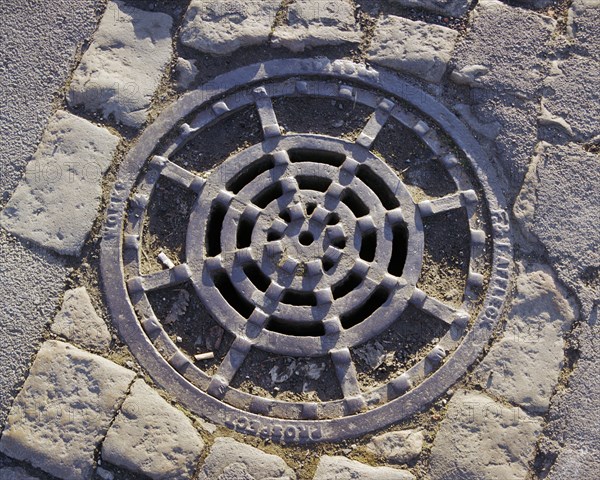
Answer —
(306, 281)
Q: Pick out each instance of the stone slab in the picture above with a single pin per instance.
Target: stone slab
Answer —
(583, 21)
(58, 199)
(412, 47)
(251, 463)
(122, 68)
(558, 205)
(64, 410)
(151, 437)
(78, 322)
(314, 23)
(452, 8)
(571, 94)
(397, 447)
(524, 365)
(342, 468)
(520, 66)
(483, 439)
(221, 27)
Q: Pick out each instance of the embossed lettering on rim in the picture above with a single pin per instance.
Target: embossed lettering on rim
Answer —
(358, 412)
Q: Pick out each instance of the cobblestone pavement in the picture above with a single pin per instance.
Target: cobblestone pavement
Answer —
(120, 355)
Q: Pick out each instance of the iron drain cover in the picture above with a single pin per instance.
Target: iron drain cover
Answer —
(332, 283)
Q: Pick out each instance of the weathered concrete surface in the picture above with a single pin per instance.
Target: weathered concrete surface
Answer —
(511, 43)
(248, 461)
(483, 439)
(151, 437)
(313, 23)
(78, 322)
(121, 70)
(64, 410)
(342, 468)
(39, 43)
(524, 365)
(573, 83)
(558, 204)
(412, 47)
(220, 28)
(59, 197)
(397, 447)
(453, 8)
(185, 73)
(583, 21)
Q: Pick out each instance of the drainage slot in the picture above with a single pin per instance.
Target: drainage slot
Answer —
(231, 295)
(306, 238)
(275, 324)
(299, 298)
(213, 229)
(354, 203)
(333, 218)
(358, 315)
(346, 285)
(244, 232)
(310, 182)
(317, 156)
(339, 243)
(399, 250)
(368, 246)
(249, 173)
(285, 216)
(327, 264)
(269, 194)
(379, 187)
(272, 236)
(257, 276)
(310, 208)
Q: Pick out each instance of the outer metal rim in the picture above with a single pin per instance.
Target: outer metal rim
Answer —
(305, 430)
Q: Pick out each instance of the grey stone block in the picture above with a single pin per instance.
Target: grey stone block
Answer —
(483, 439)
(64, 410)
(221, 27)
(78, 322)
(412, 47)
(153, 438)
(58, 199)
(122, 69)
(313, 23)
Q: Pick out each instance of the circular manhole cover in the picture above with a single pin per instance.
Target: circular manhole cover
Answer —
(306, 250)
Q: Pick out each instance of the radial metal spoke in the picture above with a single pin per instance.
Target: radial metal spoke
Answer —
(346, 374)
(178, 174)
(229, 366)
(376, 123)
(431, 306)
(447, 203)
(268, 119)
(159, 280)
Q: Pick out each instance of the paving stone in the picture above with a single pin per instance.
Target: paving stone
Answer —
(412, 47)
(560, 196)
(452, 8)
(519, 66)
(78, 322)
(398, 447)
(313, 23)
(58, 199)
(15, 473)
(185, 73)
(250, 463)
(483, 439)
(121, 70)
(342, 468)
(583, 21)
(151, 437)
(64, 410)
(524, 365)
(572, 93)
(221, 27)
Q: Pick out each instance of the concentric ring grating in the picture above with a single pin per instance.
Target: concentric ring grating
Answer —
(308, 247)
